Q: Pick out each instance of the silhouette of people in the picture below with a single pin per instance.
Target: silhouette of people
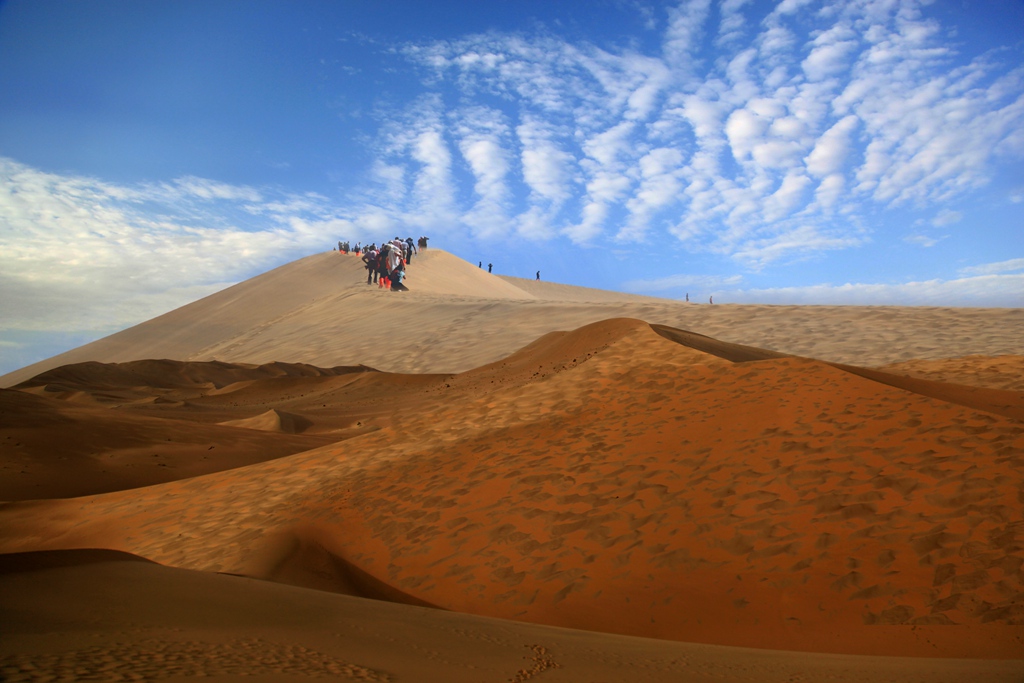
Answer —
(687, 296)
(489, 266)
(480, 264)
(538, 274)
(711, 299)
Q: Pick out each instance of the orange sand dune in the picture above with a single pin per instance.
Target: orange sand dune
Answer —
(56, 449)
(105, 615)
(89, 428)
(1000, 372)
(613, 479)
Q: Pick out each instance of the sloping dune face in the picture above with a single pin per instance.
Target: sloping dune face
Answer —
(456, 317)
(630, 481)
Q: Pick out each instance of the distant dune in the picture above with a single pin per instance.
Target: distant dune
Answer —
(319, 310)
(682, 504)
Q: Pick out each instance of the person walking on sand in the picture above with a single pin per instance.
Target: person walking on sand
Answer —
(538, 274)
(711, 299)
(489, 266)
(370, 259)
(687, 297)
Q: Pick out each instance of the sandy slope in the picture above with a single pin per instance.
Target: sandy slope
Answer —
(613, 479)
(319, 310)
(1001, 372)
(97, 612)
(689, 480)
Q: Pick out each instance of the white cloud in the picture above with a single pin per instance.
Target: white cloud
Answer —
(923, 240)
(988, 290)
(830, 191)
(807, 121)
(681, 282)
(546, 168)
(830, 55)
(798, 240)
(682, 38)
(660, 186)
(482, 133)
(830, 152)
(947, 217)
(78, 253)
(789, 195)
(732, 22)
(1007, 266)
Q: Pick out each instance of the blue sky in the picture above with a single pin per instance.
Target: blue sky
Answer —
(867, 152)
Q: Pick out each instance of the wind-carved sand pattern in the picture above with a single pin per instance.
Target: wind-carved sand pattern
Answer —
(612, 479)
(161, 658)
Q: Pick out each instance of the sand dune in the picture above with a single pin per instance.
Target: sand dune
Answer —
(456, 317)
(273, 421)
(96, 612)
(626, 477)
(59, 449)
(1001, 372)
(615, 480)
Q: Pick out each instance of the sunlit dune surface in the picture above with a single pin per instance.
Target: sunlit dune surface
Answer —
(157, 623)
(456, 317)
(661, 495)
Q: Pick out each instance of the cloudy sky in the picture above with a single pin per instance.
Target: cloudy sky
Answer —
(862, 152)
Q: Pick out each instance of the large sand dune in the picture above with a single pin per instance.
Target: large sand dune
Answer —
(636, 481)
(456, 317)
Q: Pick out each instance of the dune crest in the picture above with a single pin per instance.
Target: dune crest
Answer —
(456, 317)
(273, 420)
(620, 478)
(625, 466)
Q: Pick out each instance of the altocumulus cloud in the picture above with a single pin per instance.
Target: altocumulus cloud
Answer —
(807, 120)
(807, 117)
(81, 254)
(982, 290)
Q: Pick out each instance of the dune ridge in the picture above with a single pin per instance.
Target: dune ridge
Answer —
(780, 503)
(174, 624)
(456, 317)
(645, 488)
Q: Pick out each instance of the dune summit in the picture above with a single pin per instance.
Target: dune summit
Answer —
(621, 477)
(456, 317)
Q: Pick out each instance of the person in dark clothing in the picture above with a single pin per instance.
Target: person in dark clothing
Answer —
(489, 266)
(397, 275)
(370, 259)
(538, 274)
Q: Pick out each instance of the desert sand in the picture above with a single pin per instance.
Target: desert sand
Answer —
(493, 479)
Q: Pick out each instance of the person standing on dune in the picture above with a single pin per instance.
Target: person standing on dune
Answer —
(370, 259)
(489, 266)
(538, 274)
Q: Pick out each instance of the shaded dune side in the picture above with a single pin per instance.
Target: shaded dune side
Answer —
(169, 374)
(174, 624)
(649, 489)
(735, 353)
(55, 449)
(998, 401)
(991, 372)
(307, 556)
(273, 421)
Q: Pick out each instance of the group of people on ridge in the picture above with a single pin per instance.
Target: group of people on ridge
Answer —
(386, 265)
